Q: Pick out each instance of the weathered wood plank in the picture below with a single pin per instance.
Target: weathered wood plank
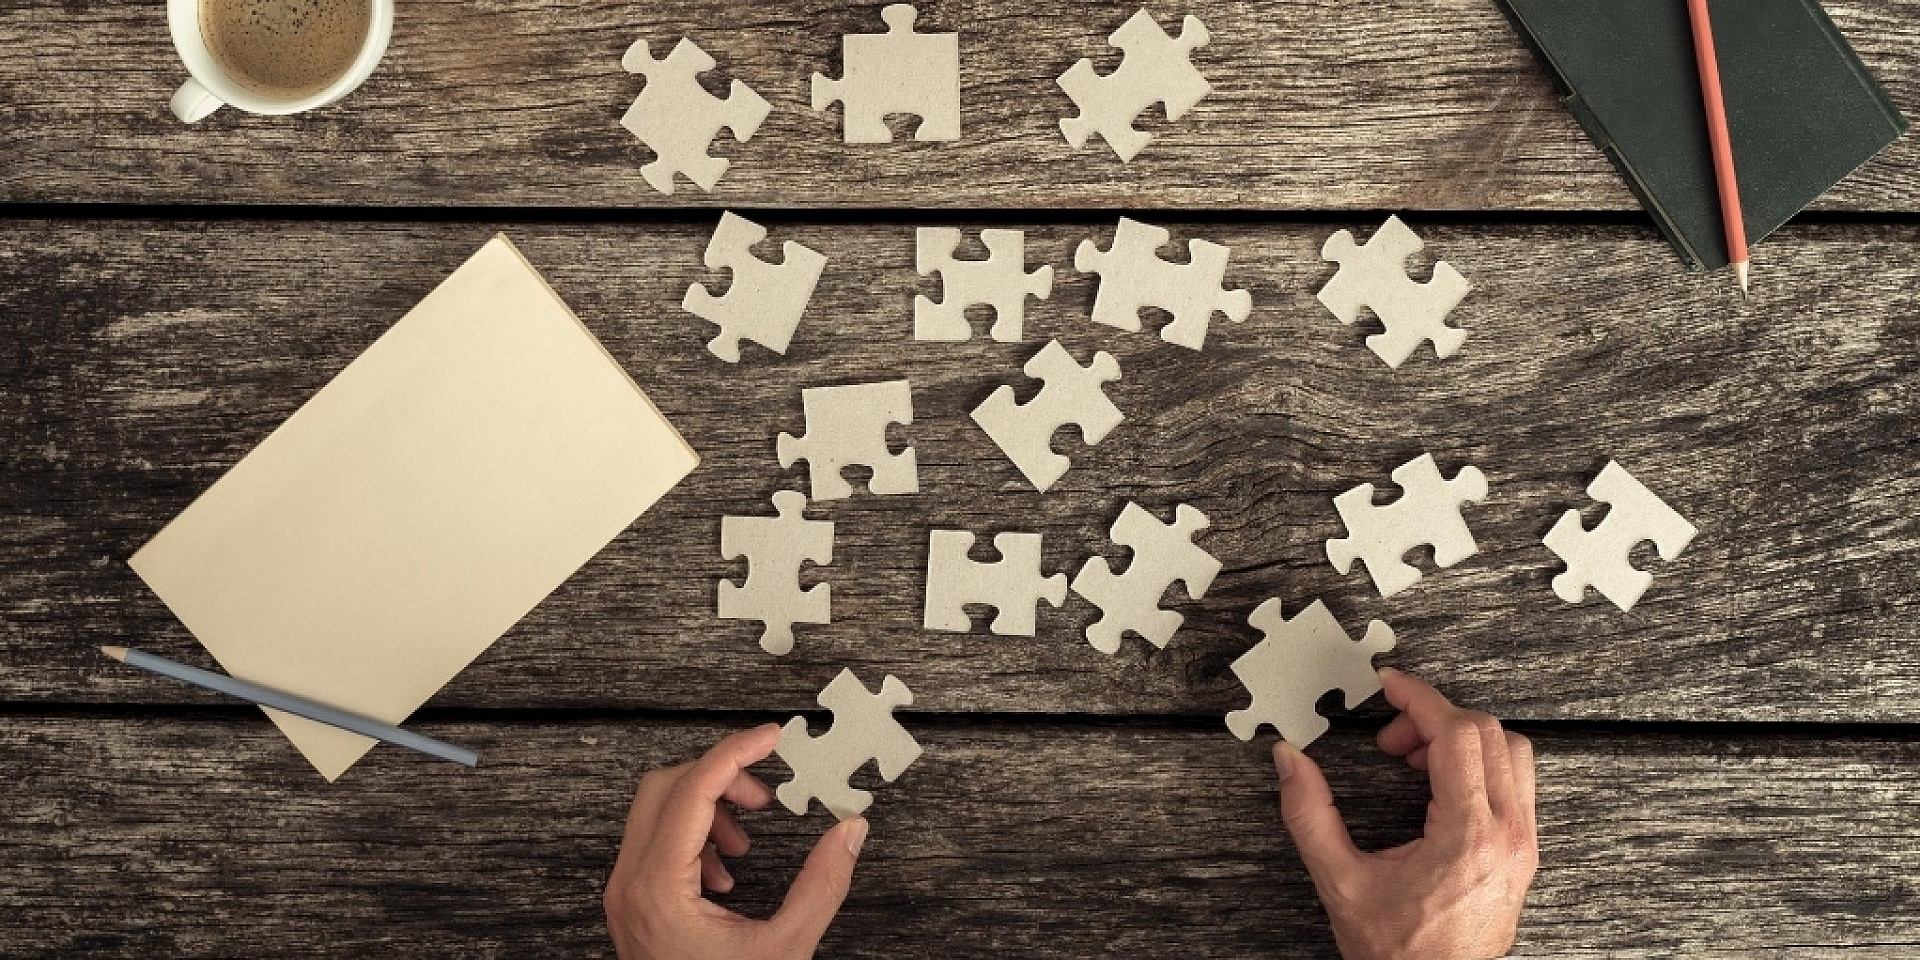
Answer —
(144, 359)
(1326, 104)
(209, 836)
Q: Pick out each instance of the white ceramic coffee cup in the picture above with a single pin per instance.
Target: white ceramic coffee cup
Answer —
(210, 88)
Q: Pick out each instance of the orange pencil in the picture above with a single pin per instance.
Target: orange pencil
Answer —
(1722, 145)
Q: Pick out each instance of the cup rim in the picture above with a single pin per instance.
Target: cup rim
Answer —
(183, 22)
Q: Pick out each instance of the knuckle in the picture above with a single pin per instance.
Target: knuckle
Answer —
(1485, 724)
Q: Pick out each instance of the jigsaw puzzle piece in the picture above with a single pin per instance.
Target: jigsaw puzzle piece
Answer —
(897, 72)
(1427, 513)
(1000, 281)
(864, 728)
(774, 548)
(1013, 585)
(678, 119)
(1071, 394)
(1156, 69)
(1296, 662)
(1163, 553)
(1132, 276)
(1600, 558)
(764, 301)
(847, 426)
(1374, 277)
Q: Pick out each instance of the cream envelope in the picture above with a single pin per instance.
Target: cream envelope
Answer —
(479, 452)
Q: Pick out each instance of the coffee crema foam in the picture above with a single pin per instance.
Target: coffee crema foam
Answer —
(285, 49)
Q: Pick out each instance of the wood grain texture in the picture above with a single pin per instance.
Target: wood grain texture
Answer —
(145, 358)
(1319, 104)
(1005, 839)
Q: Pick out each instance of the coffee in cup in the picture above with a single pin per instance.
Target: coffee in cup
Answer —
(285, 49)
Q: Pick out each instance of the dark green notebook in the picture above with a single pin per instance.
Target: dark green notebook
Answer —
(1801, 109)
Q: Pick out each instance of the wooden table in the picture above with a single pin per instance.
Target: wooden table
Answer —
(1731, 768)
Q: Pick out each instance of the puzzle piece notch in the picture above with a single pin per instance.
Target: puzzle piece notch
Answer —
(1427, 512)
(1297, 661)
(764, 301)
(1156, 69)
(678, 119)
(774, 548)
(1599, 558)
(1071, 394)
(1132, 276)
(1013, 585)
(897, 72)
(847, 425)
(864, 728)
(1162, 554)
(1001, 281)
(1374, 277)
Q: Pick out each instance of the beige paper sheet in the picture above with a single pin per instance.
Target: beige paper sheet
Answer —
(479, 452)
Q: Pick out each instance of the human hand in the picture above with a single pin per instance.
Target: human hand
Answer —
(677, 831)
(1457, 891)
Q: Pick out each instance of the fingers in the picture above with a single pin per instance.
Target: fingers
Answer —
(821, 887)
(1502, 791)
(713, 873)
(645, 809)
(1458, 773)
(1425, 709)
(690, 806)
(1522, 750)
(1307, 808)
(728, 836)
(1399, 738)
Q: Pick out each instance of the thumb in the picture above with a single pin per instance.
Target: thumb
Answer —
(1306, 807)
(818, 891)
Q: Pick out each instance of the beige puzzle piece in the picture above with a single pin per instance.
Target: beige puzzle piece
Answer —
(864, 728)
(1157, 69)
(1296, 662)
(678, 119)
(1072, 394)
(1133, 276)
(897, 72)
(764, 300)
(1001, 281)
(848, 426)
(1427, 512)
(1162, 554)
(1598, 558)
(1374, 277)
(1013, 585)
(774, 548)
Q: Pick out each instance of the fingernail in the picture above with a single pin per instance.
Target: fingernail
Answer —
(1389, 672)
(1283, 754)
(856, 835)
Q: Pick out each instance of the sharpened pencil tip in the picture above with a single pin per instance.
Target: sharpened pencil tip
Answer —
(118, 653)
(1740, 273)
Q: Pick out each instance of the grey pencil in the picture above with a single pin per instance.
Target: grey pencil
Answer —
(298, 706)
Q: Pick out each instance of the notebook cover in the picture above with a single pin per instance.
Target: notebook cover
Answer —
(1801, 109)
(417, 506)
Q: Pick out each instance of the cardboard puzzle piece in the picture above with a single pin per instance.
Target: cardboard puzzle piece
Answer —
(1013, 585)
(864, 728)
(1157, 69)
(897, 72)
(764, 301)
(1132, 276)
(1072, 394)
(847, 426)
(1001, 281)
(775, 547)
(1162, 554)
(1598, 558)
(678, 119)
(1296, 662)
(1374, 276)
(1428, 512)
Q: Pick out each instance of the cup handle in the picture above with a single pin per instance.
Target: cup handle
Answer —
(193, 102)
